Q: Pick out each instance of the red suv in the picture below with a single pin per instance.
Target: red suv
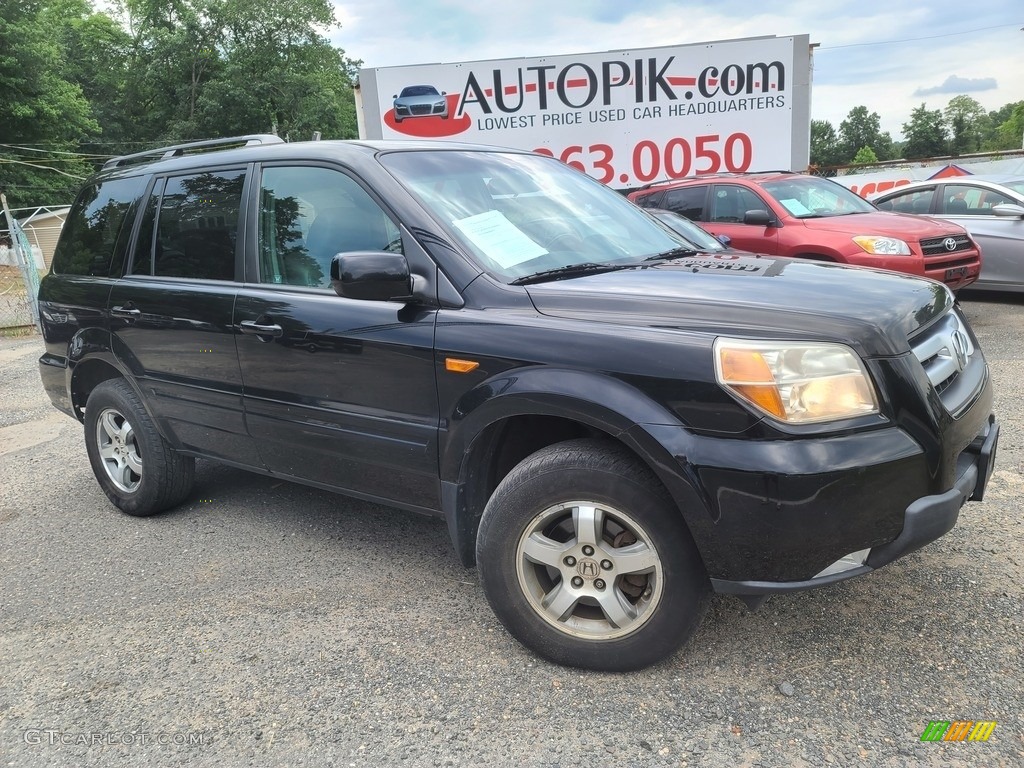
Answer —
(792, 214)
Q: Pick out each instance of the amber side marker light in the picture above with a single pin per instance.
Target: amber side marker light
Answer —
(455, 365)
(749, 375)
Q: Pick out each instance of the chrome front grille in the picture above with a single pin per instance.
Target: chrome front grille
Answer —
(939, 245)
(945, 351)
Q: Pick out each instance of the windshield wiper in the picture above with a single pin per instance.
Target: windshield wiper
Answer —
(674, 253)
(570, 270)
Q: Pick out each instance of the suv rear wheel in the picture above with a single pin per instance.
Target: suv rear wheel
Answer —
(134, 465)
(586, 560)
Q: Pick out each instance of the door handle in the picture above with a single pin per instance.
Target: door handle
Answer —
(259, 329)
(126, 311)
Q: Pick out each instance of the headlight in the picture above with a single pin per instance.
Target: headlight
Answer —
(882, 246)
(798, 383)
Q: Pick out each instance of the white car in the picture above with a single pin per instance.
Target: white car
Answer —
(420, 101)
(990, 208)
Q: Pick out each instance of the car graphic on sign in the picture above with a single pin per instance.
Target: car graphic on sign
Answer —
(420, 101)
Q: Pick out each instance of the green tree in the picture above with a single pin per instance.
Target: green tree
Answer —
(863, 129)
(94, 57)
(992, 140)
(41, 111)
(966, 119)
(925, 133)
(865, 155)
(824, 144)
(174, 51)
(1010, 133)
(201, 68)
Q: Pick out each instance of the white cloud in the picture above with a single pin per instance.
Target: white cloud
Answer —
(955, 84)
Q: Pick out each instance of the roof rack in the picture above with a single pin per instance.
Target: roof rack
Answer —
(178, 150)
(651, 184)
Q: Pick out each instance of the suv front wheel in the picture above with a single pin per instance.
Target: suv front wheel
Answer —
(135, 466)
(587, 562)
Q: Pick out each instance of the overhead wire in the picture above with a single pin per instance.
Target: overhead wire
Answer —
(915, 39)
(56, 151)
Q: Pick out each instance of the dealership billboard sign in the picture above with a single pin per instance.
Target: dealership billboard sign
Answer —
(624, 117)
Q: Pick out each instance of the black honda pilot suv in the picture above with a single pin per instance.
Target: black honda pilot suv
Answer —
(612, 424)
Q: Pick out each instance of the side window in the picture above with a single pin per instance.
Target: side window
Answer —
(653, 200)
(97, 229)
(688, 201)
(915, 201)
(309, 214)
(902, 203)
(143, 261)
(191, 227)
(964, 199)
(729, 203)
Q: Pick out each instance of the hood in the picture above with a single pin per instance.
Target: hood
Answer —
(755, 296)
(904, 226)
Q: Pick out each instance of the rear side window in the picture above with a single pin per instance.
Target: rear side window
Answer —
(190, 227)
(97, 228)
(687, 201)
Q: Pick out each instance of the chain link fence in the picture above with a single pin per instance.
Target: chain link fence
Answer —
(19, 286)
(15, 307)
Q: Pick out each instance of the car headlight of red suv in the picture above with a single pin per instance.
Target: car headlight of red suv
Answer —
(882, 246)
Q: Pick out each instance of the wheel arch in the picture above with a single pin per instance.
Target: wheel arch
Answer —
(491, 435)
(86, 372)
(85, 376)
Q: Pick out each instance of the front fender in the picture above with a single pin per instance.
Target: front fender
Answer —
(593, 399)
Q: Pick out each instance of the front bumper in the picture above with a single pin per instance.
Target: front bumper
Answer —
(924, 521)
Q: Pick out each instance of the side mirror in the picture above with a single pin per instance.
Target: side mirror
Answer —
(1008, 209)
(759, 217)
(371, 276)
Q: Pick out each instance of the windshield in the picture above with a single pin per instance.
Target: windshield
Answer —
(420, 90)
(1016, 186)
(809, 197)
(523, 214)
(701, 239)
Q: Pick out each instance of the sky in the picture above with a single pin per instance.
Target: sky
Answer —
(888, 55)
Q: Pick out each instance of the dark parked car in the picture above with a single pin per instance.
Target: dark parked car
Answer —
(991, 208)
(420, 101)
(610, 430)
(792, 214)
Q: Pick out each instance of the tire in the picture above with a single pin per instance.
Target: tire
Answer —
(137, 469)
(531, 547)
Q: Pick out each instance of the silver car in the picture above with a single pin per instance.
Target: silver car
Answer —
(420, 101)
(990, 208)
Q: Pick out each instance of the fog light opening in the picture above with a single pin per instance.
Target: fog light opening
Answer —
(846, 563)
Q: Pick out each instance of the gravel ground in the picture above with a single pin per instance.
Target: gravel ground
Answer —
(264, 623)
